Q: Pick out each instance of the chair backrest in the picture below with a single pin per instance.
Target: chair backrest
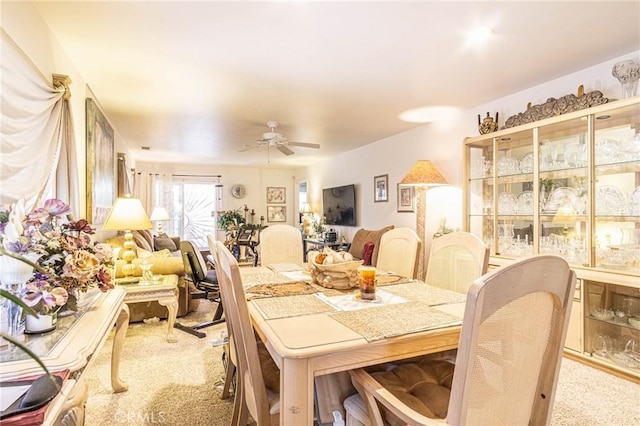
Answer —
(237, 312)
(194, 263)
(511, 343)
(399, 252)
(280, 244)
(456, 260)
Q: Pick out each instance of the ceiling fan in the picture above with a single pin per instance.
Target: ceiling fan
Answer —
(273, 139)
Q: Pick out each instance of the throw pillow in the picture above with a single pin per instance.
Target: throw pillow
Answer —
(141, 240)
(145, 254)
(163, 241)
(364, 236)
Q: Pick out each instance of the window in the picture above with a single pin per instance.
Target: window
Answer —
(194, 209)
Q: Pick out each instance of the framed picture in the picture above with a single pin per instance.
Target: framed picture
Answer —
(100, 164)
(276, 213)
(276, 194)
(381, 188)
(406, 198)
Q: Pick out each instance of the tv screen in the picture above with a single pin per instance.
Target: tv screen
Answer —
(339, 205)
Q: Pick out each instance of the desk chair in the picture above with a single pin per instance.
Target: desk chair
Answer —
(511, 344)
(204, 280)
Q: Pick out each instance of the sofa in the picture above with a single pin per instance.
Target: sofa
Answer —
(364, 236)
(157, 252)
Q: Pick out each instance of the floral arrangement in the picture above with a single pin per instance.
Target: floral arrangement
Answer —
(60, 249)
(442, 229)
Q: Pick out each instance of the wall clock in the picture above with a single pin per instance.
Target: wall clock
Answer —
(238, 191)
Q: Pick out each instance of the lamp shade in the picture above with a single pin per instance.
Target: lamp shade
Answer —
(159, 213)
(423, 173)
(127, 214)
(306, 208)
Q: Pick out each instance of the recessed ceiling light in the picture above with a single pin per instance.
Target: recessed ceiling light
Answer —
(603, 117)
(427, 114)
(145, 148)
(479, 35)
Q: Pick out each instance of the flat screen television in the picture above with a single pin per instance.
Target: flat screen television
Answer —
(339, 205)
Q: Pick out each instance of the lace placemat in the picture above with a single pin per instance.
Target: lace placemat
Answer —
(394, 320)
(389, 279)
(283, 307)
(419, 291)
(278, 290)
(262, 275)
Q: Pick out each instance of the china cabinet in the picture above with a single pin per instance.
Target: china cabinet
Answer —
(570, 186)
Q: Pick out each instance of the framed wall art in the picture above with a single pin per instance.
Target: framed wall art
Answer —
(276, 213)
(276, 195)
(100, 164)
(380, 188)
(406, 198)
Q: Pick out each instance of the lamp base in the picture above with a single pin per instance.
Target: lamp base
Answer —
(128, 254)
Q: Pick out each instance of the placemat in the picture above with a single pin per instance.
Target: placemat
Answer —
(389, 279)
(419, 291)
(291, 306)
(394, 320)
(278, 290)
(261, 275)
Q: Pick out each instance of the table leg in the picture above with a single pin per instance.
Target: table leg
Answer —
(172, 306)
(296, 392)
(122, 323)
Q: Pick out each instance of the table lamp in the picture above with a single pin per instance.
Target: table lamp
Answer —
(159, 214)
(127, 214)
(422, 175)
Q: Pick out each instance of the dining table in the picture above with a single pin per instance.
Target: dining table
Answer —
(313, 332)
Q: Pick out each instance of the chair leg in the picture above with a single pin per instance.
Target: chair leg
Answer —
(230, 373)
(193, 330)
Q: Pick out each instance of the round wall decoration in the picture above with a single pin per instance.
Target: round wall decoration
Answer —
(238, 191)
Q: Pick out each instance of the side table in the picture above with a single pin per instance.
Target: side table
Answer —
(165, 292)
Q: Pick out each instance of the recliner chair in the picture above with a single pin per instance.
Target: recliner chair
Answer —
(206, 281)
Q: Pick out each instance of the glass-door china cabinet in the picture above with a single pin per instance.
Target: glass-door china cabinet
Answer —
(570, 186)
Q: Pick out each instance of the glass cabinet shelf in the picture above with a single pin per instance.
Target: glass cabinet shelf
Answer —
(567, 185)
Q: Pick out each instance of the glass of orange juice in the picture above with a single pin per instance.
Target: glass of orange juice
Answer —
(367, 283)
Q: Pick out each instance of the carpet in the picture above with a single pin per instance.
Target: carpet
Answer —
(179, 383)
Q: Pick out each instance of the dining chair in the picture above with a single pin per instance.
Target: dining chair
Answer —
(399, 252)
(281, 244)
(257, 392)
(500, 378)
(456, 260)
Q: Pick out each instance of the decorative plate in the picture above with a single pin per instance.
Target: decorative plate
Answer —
(634, 202)
(525, 203)
(238, 191)
(561, 198)
(526, 163)
(610, 200)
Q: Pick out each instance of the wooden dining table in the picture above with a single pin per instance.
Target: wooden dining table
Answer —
(311, 331)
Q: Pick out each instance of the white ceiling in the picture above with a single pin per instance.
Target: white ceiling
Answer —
(197, 80)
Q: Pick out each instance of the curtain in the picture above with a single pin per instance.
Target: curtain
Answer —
(35, 130)
(155, 189)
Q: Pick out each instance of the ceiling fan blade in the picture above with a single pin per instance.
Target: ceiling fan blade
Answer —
(304, 145)
(283, 149)
(247, 147)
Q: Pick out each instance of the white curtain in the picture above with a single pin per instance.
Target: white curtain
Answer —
(155, 189)
(35, 125)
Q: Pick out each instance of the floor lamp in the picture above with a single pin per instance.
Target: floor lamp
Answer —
(423, 175)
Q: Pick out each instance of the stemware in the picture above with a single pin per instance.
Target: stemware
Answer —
(627, 72)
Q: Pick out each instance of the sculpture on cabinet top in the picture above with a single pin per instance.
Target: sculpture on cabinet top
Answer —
(553, 107)
(487, 125)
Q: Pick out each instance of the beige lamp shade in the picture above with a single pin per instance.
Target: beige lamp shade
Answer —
(423, 173)
(159, 213)
(127, 214)
(306, 208)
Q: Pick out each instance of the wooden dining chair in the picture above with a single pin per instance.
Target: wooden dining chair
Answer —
(500, 378)
(399, 252)
(257, 392)
(456, 260)
(281, 244)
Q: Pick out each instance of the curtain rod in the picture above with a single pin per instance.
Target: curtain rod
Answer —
(215, 176)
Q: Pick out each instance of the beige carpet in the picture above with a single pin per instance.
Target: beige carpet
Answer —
(176, 384)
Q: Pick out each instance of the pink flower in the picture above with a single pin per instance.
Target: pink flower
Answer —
(81, 265)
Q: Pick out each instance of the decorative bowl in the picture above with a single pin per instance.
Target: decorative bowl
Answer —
(602, 314)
